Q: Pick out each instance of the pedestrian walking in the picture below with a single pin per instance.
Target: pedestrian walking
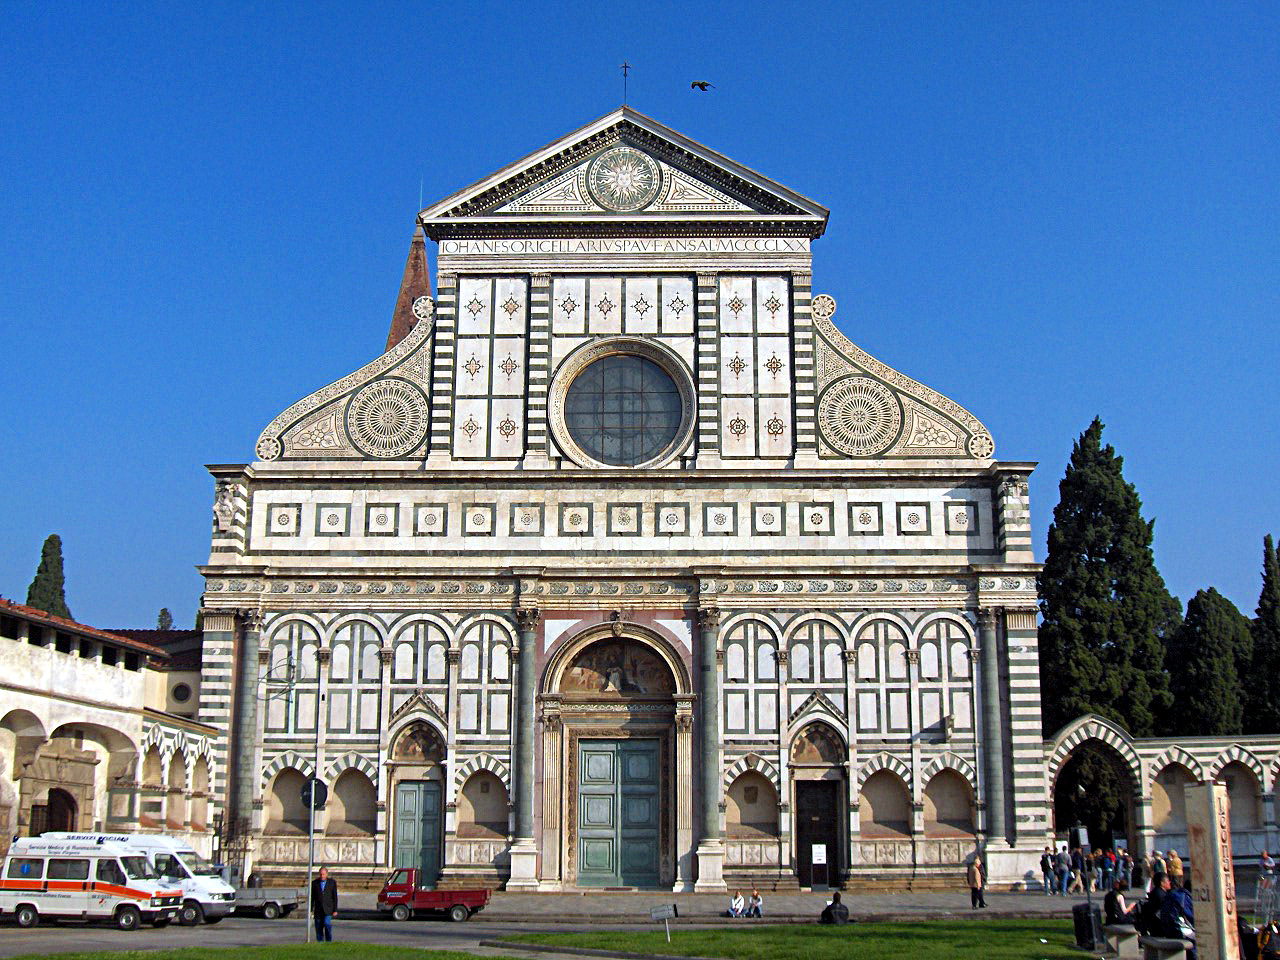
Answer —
(977, 882)
(324, 904)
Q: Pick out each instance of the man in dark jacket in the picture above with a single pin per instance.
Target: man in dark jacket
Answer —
(835, 911)
(324, 904)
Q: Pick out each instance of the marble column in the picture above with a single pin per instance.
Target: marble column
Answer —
(992, 730)
(524, 849)
(710, 846)
(244, 734)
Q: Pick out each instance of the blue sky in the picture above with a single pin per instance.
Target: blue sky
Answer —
(1046, 211)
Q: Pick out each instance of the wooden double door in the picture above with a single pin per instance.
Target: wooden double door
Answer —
(417, 826)
(818, 823)
(619, 812)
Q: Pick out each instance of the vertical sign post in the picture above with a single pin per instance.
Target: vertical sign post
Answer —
(1213, 881)
(818, 858)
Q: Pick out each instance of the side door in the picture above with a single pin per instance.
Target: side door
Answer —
(597, 813)
(67, 883)
(107, 888)
(639, 811)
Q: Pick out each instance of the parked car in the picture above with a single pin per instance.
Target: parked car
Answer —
(268, 902)
(402, 897)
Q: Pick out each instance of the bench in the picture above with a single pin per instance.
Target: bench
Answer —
(1164, 948)
(1124, 937)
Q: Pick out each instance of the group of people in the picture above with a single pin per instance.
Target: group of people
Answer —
(1071, 870)
(739, 907)
(1166, 912)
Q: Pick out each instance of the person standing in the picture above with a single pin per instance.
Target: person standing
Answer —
(1046, 867)
(1064, 870)
(977, 882)
(324, 905)
(1174, 863)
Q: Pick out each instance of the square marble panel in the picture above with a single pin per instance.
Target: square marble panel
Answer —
(333, 519)
(768, 519)
(623, 519)
(720, 519)
(866, 520)
(575, 520)
(960, 517)
(284, 519)
(913, 519)
(478, 519)
(430, 520)
(671, 519)
(817, 519)
(527, 519)
(382, 520)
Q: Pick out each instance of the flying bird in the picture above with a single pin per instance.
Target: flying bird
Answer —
(701, 85)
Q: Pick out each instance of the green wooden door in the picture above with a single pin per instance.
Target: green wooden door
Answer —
(619, 800)
(418, 829)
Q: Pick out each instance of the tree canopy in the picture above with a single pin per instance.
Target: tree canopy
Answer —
(1209, 651)
(48, 590)
(1106, 613)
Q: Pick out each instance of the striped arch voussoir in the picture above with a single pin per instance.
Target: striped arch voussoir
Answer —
(1237, 753)
(482, 761)
(351, 761)
(1179, 756)
(1094, 728)
(883, 761)
(752, 761)
(951, 761)
(289, 758)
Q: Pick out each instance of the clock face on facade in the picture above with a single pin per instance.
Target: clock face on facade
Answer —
(623, 179)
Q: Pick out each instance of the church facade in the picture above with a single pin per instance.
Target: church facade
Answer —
(624, 567)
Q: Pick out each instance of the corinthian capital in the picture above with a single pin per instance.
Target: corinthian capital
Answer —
(528, 618)
(709, 618)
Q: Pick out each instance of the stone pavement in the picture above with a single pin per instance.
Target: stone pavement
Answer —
(627, 908)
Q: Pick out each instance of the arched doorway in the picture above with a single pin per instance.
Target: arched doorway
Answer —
(417, 775)
(616, 721)
(1095, 789)
(62, 809)
(818, 763)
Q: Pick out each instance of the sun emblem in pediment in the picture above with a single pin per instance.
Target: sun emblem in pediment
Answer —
(624, 179)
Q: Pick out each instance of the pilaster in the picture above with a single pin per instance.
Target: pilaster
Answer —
(708, 369)
(537, 447)
(442, 372)
(711, 846)
(805, 378)
(524, 848)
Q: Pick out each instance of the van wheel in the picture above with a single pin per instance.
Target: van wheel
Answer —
(458, 912)
(270, 911)
(401, 912)
(191, 913)
(128, 918)
(27, 916)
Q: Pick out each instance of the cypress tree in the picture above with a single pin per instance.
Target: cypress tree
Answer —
(1262, 683)
(1106, 613)
(165, 620)
(1205, 655)
(48, 590)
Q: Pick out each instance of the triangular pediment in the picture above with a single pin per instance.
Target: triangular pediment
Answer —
(624, 168)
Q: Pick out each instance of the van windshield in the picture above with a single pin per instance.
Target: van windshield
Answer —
(137, 868)
(198, 865)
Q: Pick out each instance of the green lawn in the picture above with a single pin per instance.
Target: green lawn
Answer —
(298, 951)
(1048, 939)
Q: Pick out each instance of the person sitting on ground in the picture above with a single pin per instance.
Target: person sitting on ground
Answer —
(835, 911)
(737, 904)
(755, 908)
(1118, 912)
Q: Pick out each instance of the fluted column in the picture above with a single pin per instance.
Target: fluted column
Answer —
(710, 846)
(992, 730)
(524, 850)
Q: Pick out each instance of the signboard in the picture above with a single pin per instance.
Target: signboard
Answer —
(665, 912)
(819, 854)
(1214, 886)
(315, 787)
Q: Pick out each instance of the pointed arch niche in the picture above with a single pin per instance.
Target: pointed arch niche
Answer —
(612, 689)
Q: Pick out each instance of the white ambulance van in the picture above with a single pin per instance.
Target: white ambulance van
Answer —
(206, 897)
(84, 879)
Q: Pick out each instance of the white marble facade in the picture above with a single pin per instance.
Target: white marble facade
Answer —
(806, 595)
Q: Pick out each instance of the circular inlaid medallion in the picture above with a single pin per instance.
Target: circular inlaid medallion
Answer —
(859, 416)
(387, 418)
(624, 179)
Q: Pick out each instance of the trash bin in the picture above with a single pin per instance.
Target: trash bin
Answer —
(1087, 918)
